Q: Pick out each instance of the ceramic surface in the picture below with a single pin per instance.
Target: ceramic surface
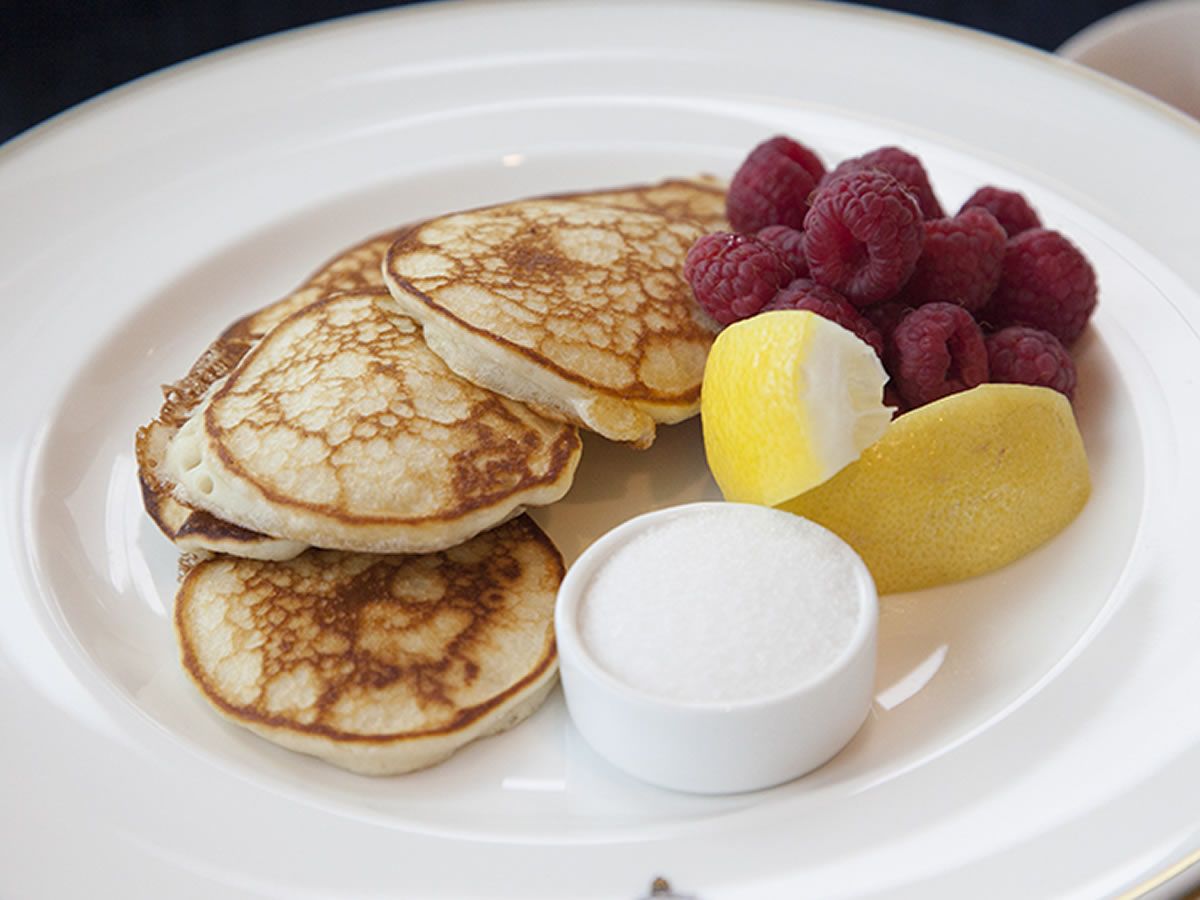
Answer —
(1032, 732)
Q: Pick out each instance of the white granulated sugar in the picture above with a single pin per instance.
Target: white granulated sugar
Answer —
(727, 604)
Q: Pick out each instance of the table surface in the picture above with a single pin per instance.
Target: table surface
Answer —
(57, 53)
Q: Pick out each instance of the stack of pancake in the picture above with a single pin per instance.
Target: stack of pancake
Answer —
(345, 470)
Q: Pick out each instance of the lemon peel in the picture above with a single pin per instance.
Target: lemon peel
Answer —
(959, 487)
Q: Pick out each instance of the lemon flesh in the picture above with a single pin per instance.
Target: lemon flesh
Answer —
(959, 487)
(788, 399)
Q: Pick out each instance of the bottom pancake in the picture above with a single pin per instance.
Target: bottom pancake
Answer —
(378, 664)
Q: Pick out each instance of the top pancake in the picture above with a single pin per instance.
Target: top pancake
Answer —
(360, 267)
(701, 199)
(197, 531)
(575, 306)
(342, 430)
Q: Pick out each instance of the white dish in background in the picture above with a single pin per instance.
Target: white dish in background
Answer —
(1033, 730)
(1153, 46)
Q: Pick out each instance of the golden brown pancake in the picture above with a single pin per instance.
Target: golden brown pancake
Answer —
(575, 307)
(701, 198)
(357, 268)
(196, 531)
(341, 429)
(377, 664)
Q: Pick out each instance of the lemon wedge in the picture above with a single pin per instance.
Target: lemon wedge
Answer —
(958, 487)
(788, 399)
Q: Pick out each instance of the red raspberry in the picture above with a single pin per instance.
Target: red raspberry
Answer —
(1047, 283)
(862, 236)
(733, 276)
(790, 244)
(772, 186)
(1011, 209)
(960, 262)
(902, 166)
(886, 316)
(937, 350)
(805, 294)
(1020, 355)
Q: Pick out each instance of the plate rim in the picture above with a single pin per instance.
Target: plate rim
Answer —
(192, 68)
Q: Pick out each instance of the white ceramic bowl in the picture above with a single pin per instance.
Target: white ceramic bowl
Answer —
(1152, 46)
(713, 747)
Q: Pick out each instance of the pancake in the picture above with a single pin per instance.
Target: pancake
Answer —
(377, 664)
(341, 429)
(199, 532)
(701, 198)
(195, 531)
(573, 306)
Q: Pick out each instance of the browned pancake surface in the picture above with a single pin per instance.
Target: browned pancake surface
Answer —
(701, 199)
(341, 429)
(333, 649)
(356, 268)
(593, 293)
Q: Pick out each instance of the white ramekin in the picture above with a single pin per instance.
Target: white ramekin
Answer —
(717, 747)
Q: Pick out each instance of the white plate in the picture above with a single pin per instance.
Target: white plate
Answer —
(1034, 732)
(1154, 46)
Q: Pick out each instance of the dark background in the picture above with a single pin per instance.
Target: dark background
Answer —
(56, 53)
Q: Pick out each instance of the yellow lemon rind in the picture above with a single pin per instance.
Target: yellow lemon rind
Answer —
(959, 487)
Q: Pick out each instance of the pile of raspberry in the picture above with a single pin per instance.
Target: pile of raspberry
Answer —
(948, 302)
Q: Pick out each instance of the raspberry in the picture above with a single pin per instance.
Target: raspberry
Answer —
(937, 350)
(733, 275)
(772, 186)
(1020, 355)
(805, 294)
(902, 166)
(1011, 209)
(960, 262)
(886, 316)
(862, 236)
(1047, 283)
(790, 244)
